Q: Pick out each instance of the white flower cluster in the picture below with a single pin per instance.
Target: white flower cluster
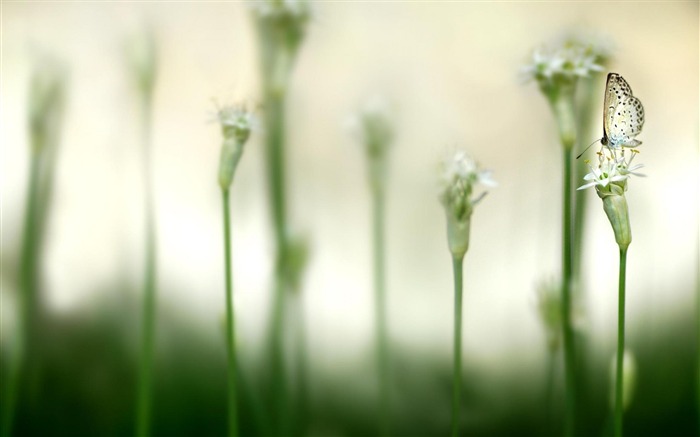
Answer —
(613, 168)
(567, 60)
(459, 174)
(236, 121)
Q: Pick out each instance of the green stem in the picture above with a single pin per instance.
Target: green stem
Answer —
(302, 369)
(144, 401)
(230, 328)
(457, 364)
(620, 343)
(274, 149)
(569, 357)
(29, 293)
(380, 310)
(549, 391)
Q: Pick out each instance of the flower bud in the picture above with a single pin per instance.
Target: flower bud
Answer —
(235, 126)
(459, 174)
(615, 206)
(458, 235)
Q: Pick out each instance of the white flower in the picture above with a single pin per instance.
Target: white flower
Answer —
(462, 167)
(611, 169)
(565, 60)
(459, 174)
(235, 121)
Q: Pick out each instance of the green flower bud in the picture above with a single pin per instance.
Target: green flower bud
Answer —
(458, 235)
(236, 124)
(460, 173)
(615, 206)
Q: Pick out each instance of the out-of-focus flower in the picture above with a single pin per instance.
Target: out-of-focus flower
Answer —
(459, 174)
(236, 125)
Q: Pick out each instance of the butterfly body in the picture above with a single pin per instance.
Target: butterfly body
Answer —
(623, 114)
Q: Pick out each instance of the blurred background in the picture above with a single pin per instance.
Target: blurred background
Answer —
(450, 70)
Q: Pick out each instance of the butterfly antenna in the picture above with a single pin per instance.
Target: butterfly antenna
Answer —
(584, 150)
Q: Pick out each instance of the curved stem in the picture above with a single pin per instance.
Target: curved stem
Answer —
(457, 358)
(380, 311)
(230, 327)
(620, 343)
(569, 358)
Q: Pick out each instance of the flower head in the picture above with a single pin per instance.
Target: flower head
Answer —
(236, 122)
(282, 23)
(373, 127)
(610, 181)
(562, 62)
(459, 175)
(614, 168)
(236, 125)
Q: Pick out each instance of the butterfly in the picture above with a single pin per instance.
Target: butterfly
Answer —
(623, 114)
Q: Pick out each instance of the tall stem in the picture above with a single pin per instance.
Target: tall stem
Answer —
(29, 294)
(569, 357)
(549, 390)
(230, 327)
(380, 310)
(274, 149)
(144, 402)
(620, 343)
(302, 369)
(457, 358)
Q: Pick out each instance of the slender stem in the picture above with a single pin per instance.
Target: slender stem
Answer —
(380, 310)
(29, 294)
(230, 327)
(457, 364)
(549, 391)
(620, 343)
(144, 401)
(302, 368)
(274, 148)
(569, 357)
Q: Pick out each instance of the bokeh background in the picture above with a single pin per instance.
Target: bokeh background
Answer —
(450, 70)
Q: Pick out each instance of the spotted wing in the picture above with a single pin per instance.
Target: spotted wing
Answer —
(626, 122)
(617, 90)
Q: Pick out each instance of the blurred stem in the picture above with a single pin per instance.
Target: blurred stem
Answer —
(569, 358)
(274, 149)
(457, 367)
(28, 288)
(378, 220)
(585, 92)
(230, 328)
(620, 343)
(144, 401)
(302, 368)
(549, 390)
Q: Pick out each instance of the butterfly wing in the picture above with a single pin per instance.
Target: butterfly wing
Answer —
(626, 122)
(617, 90)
